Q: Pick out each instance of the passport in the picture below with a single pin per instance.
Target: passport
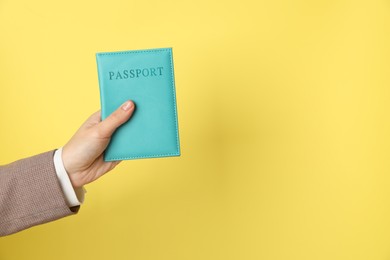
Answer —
(147, 78)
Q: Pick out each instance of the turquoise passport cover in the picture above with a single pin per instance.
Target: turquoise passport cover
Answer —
(147, 78)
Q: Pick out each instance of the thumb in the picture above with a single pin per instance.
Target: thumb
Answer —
(108, 126)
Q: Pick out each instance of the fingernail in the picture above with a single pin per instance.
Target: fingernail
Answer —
(127, 105)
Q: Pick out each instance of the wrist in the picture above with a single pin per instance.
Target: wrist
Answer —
(76, 180)
(73, 196)
(72, 174)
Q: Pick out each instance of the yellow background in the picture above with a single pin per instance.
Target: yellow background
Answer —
(284, 126)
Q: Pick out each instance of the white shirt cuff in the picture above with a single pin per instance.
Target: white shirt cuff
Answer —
(73, 196)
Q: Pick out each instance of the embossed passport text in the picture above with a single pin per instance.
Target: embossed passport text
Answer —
(147, 78)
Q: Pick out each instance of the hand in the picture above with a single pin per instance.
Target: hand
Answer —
(83, 154)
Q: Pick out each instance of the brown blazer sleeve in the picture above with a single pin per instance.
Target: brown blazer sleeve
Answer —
(30, 194)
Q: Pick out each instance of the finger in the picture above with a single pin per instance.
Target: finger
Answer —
(101, 167)
(94, 119)
(112, 165)
(108, 126)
